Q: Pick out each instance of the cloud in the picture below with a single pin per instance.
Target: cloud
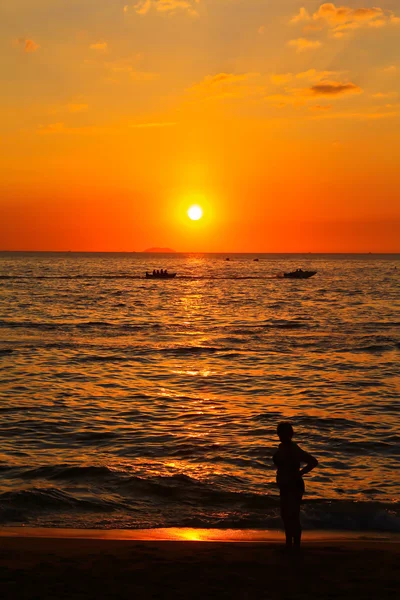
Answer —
(142, 7)
(334, 88)
(60, 128)
(229, 85)
(220, 80)
(52, 128)
(382, 96)
(99, 46)
(344, 19)
(358, 116)
(314, 75)
(390, 69)
(29, 45)
(302, 44)
(310, 75)
(129, 67)
(300, 96)
(315, 84)
(344, 14)
(303, 15)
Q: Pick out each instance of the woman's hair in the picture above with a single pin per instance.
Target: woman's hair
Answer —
(285, 431)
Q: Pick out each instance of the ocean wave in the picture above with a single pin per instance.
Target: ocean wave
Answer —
(166, 503)
(377, 348)
(189, 350)
(50, 498)
(67, 326)
(6, 351)
(67, 473)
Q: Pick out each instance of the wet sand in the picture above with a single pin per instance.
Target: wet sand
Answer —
(178, 564)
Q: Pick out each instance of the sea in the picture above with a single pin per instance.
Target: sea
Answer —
(134, 403)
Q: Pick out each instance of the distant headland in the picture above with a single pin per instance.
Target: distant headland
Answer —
(161, 250)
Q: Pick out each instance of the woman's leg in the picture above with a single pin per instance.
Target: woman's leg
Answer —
(296, 526)
(285, 514)
(296, 523)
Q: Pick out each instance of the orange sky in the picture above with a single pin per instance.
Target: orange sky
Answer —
(282, 119)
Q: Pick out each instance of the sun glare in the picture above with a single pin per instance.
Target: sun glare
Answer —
(195, 212)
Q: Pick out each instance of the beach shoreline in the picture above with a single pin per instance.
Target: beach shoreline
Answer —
(34, 566)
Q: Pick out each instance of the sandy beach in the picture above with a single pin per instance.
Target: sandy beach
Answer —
(36, 567)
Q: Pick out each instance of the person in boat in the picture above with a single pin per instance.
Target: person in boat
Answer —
(154, 272)
(289, 477)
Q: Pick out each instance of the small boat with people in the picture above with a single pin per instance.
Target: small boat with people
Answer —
(299, 274)
(160, 274)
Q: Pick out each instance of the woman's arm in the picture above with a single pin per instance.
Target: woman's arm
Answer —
(311, 462)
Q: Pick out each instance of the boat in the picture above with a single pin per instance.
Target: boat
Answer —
(299, 274)
(160, 275)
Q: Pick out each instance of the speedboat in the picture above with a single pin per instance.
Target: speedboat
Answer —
(160, 275)
(299, 274)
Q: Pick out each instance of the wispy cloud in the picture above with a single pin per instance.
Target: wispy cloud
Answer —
(52, 128)
(129, 67)
(340, 20)
(384, 95)
(310, 75)
(60, 128)
(302, 44)
(28, 45)
(303, 15)
(358, 116)
(229, 85)
(143, 7)
(99, 46)
(391, 69)
(70, 107)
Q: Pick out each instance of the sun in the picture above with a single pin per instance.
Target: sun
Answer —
(195, 212)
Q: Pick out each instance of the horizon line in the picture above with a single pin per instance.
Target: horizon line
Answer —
(174, 252)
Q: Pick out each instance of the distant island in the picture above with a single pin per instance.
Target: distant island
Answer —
(161, 250)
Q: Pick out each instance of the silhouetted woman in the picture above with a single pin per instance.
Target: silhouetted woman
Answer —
(288, 459)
